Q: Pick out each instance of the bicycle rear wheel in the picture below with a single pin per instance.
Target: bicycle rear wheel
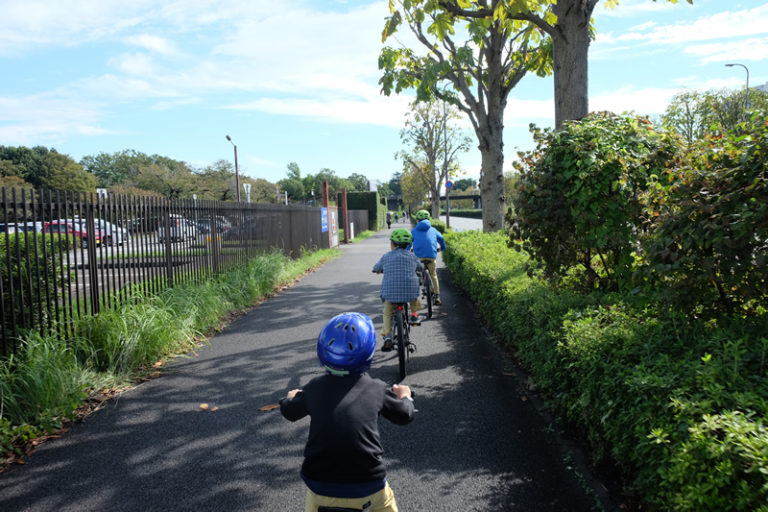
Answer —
(428, 291)
(400, 338)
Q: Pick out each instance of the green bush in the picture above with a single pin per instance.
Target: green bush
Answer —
(578, 202)
(438, 225)
(31, 270)
(677, 404)
(709, 224)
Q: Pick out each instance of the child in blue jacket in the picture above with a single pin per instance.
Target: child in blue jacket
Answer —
(426, 240)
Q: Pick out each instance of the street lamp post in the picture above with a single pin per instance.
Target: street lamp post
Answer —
(237, 171)
(746, 95)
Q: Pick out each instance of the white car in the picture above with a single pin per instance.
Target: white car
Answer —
(181, 229)
(111, 234)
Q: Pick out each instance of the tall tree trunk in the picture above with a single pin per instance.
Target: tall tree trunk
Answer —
(571, 49)
(492, 172)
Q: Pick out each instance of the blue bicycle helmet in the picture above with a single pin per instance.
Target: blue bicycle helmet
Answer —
(347, 343)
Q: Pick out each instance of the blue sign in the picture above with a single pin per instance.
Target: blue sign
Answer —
(324, 219)
(448, 185)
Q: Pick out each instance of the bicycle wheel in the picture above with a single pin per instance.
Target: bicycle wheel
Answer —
(400, 338)
(428, 291)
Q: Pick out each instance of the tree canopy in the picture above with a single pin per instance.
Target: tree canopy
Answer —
(433, 143)
(474, 69)
(694, 114)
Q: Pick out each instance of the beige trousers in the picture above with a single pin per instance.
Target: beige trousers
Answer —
(389, 313)
(382, 501)
(430, 264)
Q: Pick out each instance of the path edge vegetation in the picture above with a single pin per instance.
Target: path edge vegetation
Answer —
(673, 406)
(633, 285)
(51, 383)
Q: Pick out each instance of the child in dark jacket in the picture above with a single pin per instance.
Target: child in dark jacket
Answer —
(343, 464)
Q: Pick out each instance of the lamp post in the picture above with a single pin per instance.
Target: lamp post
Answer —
(237, 172)
(746, 95)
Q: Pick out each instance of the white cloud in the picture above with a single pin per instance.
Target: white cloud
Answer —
(642, 101)
(133, 63)
(527, 110)
(384, 111)
(631, 8)
(41, 120)
(152, 43)
(26, 24)
(752, 49)
(720, 25)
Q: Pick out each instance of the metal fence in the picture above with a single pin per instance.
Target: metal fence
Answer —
(64, 254)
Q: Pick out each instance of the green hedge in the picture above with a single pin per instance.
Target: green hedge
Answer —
(368, 201)
(31, 274)
(678, 405)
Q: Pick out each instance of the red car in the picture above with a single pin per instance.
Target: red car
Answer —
(72, 228)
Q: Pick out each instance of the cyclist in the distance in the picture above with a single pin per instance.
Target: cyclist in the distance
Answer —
(426, 241)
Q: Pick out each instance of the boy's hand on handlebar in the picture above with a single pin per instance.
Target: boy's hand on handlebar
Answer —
(401, 391)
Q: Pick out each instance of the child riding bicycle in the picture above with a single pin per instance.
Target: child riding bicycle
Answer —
(343, 466)
(426, 240)
(400, 282)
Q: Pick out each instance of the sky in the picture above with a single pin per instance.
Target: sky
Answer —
(298, 81)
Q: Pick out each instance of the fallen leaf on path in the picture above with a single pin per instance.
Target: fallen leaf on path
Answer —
(269, 407)
(159, 364)
(214, 409)
(203, 407)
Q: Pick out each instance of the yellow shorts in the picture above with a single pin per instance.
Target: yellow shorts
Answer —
(382, 501)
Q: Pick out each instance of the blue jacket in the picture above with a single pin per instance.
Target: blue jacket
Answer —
(426, 239)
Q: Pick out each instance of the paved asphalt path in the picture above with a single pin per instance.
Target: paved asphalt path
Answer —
(475, 445)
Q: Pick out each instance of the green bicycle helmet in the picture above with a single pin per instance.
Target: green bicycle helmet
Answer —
(422, 214)
(401, 236)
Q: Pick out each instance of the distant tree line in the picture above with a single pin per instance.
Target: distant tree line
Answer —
(136, 173)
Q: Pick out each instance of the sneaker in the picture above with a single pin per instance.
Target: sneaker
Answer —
(415, 320)
(388, 345)
(437, 302)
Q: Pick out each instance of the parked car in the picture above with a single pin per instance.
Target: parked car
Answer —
(180, 229)
(21, 227)
(220, 225)
(143, 225)
(111, 233)
(73, 228)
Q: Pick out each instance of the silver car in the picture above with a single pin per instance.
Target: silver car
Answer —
(111, 234)
(180, 229)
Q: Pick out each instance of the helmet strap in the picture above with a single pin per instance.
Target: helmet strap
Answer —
(336, 373)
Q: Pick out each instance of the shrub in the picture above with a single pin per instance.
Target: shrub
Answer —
(679, 405)
(31, 272)
(578, 201)
(708, 231)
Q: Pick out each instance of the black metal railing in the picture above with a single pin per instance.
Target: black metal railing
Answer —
(65, 254)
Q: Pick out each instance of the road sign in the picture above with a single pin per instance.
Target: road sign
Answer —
(448, 185)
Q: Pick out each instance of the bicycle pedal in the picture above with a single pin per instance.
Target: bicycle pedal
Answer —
(411, 348)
